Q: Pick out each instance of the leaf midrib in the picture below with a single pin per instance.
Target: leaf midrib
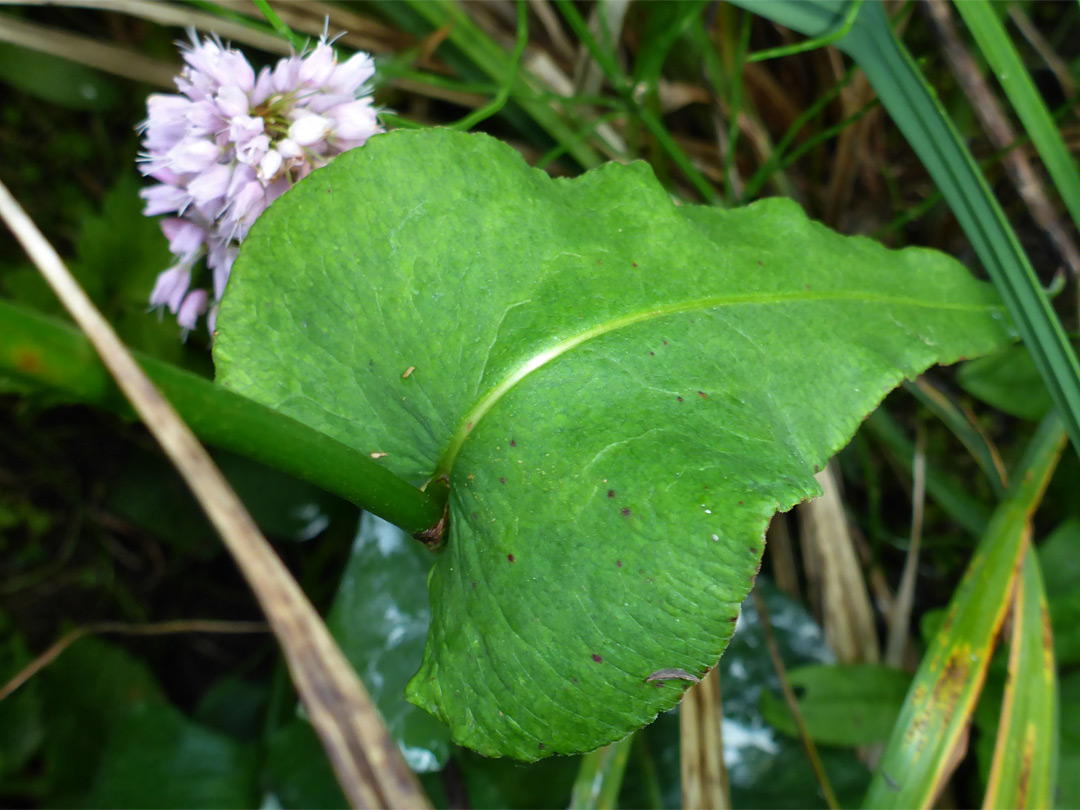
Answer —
(472, 419)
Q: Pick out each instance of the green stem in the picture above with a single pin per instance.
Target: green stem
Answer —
(623, 87)
(47, 353)
(497, 103)
(600, 777)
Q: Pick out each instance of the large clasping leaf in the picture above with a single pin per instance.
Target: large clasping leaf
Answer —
(621, 390)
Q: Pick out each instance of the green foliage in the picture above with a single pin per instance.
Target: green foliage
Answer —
(58, 81)
(157, 755)
(853, 705)
(593, 368)
(380, 618)
(1007, 380)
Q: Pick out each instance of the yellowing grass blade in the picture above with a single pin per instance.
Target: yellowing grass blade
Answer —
(1023, 772)
(930, 736)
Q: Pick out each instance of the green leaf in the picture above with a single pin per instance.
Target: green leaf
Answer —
(621, 392)
(86, 692)
(20, 712)
(296, 771)
(380, 617)
(1008, 381)
(1068, 786)
(58, 81)
(157, 757)
(851, 705)
(1024, 769)
(1061, 566)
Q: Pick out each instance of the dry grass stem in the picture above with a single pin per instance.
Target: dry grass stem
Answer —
(900, 615)
(847, 615)
(701, 747)
(86, 51)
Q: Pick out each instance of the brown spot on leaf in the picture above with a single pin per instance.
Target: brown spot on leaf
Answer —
(597, 658)
(618, 563)
(634, 263)
(28, 361)
(611, 493)
(510, 557)
(679, 398)
(502, 480)
(474, 583)
(513, 443)
(468, 425)
(702, 394)
(626, 511)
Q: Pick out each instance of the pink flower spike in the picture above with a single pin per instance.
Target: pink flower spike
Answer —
(194, 305)
(219, 165)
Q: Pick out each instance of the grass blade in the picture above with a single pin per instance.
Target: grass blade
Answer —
(1005, 63)
(1023, 770)
(965, 427)
(933, 723)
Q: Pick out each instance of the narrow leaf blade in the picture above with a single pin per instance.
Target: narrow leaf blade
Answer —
(1024, 764)
(933, 723)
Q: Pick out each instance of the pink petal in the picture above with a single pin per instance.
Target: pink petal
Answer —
(210, 185)
(351, 75)
(193, 155)
(163, 198)
(232, 101)
(269, 167)
(186, 239)
(355, 121)
(309, 129)
(170, 287)
(317, 66)
(194, 305)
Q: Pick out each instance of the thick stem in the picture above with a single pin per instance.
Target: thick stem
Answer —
(47, 353)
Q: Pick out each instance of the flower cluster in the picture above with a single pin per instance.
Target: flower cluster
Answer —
(230, 143)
